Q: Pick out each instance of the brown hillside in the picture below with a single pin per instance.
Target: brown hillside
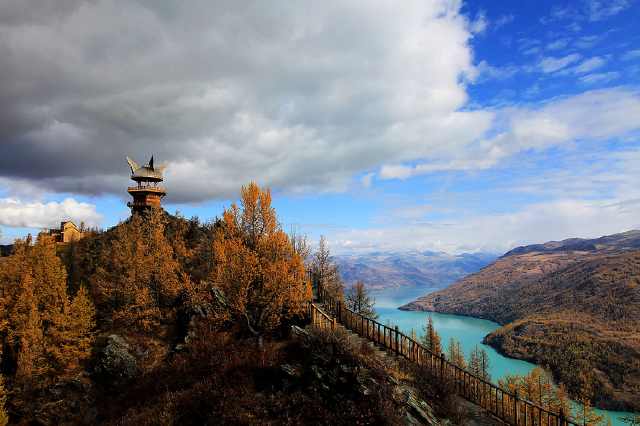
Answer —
(577, 312)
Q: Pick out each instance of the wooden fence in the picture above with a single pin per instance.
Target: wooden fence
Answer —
(321, 319)
(505, 405)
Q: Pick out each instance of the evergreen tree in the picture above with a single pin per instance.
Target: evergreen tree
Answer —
(358, 300)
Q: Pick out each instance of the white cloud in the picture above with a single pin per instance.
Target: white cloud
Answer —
(529, 46)
(588, 41)
(591, 10)
(584, 67)
(503, 20)
(295, 96)
(575, 27)
(17, 213)
(589, 65)
(552, 64)
(487, 71)
(597, 195)
(560, 43)
(631, 55)
(599, 10)
(594, 115)
(591, 116)
(599, 77)
(367, 179)
(479, 24)
(532, 51)
(535, 223)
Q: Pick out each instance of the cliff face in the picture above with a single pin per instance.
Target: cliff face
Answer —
(572, 305)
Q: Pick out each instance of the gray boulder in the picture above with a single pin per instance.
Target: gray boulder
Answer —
(115, 362)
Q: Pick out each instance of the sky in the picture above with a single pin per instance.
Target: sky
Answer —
(422, 125)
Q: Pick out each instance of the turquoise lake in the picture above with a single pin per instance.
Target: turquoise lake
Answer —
(469, 331)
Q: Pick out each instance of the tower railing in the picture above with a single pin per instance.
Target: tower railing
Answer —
(147, 188)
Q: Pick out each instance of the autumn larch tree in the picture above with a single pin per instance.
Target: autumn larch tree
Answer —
(359, 301)
(431, 338)
(257, 269)
(537, 386)
(45, 333)
(479, 363)
(139, 279)
(4, 416)
(456, 354)
(325, 271)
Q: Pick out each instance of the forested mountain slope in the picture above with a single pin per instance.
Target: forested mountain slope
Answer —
(577, 311)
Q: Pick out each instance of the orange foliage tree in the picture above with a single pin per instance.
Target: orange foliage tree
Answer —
(138, 274)
(44, 332)
(257, 269)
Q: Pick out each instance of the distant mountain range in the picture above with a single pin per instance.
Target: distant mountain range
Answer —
(382, 271)
(629, 240)
(573, 305)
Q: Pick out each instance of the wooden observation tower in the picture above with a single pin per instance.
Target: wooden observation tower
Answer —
(147, 193)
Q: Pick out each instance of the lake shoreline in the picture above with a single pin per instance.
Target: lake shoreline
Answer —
(410, 307)
(602, 404)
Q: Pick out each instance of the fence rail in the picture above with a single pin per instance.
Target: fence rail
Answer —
(503, 404)
(321, 319)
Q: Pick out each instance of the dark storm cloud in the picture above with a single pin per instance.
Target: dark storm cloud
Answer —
(296, 96)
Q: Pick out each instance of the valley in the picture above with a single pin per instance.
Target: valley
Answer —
(572, 305)
(409, 271)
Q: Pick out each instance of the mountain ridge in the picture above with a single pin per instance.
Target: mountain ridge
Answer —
(411, 269)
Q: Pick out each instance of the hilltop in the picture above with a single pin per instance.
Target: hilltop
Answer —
(573, 305)
(165, 320)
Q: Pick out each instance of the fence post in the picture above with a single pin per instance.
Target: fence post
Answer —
(515, 406)
(414, 350)
(397, 338)
(333, 324)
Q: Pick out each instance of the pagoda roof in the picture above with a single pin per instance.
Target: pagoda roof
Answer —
(147, 173)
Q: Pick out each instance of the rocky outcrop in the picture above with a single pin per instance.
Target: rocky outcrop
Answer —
(370, 374)
(116, 364)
